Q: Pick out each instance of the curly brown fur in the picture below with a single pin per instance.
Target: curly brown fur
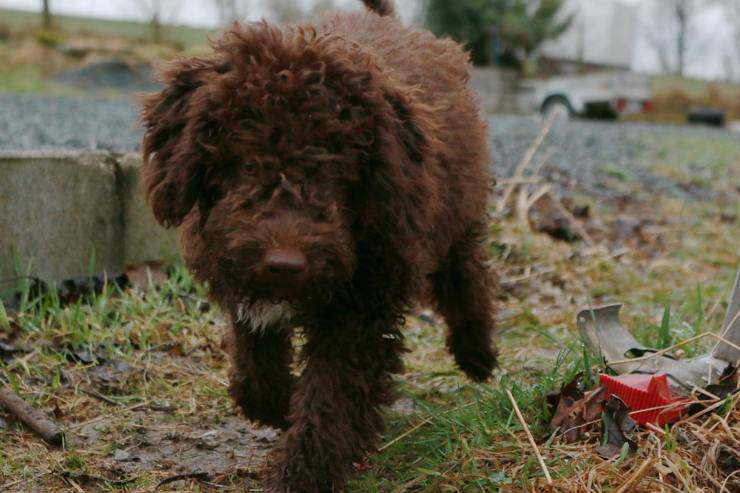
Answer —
(326, 176)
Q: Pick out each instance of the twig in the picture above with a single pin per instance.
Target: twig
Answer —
(420, 424)
(33, 418)
(724, 483)
(6, 486)
(405, 433)
(635, 479)
(543, 159)
(572, 220)
(701, 413)
(73, 484)
(526, 201)
(524, 180)
(677, 345)
(201, 476)
(526, 161)
(530, 437)
(655, 428)
(598, 262)
(98, 395)
(514, 280)
(91, 477)
(661, 352)
(409, 484)
(106, 416)
(541, 192)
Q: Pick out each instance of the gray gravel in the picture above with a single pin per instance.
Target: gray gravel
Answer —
(579, 149)
(30, 122)
(585, 150)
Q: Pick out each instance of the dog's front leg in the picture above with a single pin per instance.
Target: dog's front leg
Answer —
(336, 407)
(260, 378)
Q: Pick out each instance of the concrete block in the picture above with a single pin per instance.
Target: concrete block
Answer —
(143, 238)
(60, 213)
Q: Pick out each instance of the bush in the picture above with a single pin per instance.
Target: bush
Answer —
(49, 38)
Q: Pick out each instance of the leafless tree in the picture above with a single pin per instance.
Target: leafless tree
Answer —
(672, 32)
(286, 10)
(159, 13)
(732, 58)
(46, 15)
(233, 10)
(322, 6)
(295, 10)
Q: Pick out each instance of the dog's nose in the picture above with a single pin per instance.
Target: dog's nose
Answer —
(285, 262)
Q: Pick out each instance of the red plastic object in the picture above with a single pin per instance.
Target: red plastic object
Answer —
(648, 392)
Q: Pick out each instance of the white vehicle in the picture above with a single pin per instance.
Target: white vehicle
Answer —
(601, 95)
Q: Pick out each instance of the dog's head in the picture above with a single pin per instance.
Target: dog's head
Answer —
(277, 153)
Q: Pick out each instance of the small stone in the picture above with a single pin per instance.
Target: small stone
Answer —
(122, 456)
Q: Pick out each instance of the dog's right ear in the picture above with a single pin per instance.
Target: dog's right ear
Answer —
(173, 160)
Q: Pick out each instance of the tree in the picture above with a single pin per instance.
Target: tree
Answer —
(159, 12)
(503, 32)
(286, 10)
(292, 11)
(46, 15)
(232, 10)
(673, 34)
(732, 7)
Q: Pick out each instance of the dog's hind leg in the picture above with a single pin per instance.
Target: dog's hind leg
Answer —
(464, 291)
(260, 378)
(335, 414)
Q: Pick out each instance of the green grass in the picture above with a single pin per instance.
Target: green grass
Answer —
(449, 435)
(30, 79)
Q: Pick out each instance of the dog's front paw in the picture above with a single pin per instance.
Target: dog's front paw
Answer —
(477, 362)
(290, 472)
(261, 405)
(280, 483)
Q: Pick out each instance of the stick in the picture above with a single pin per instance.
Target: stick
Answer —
(519, 181)
(677, 345)
(662, 351)
(405, 434)
(200, 476)
(525, 202)
(518, 173)
(635, 479)
(530, 437)
(573, 221)
(33, 418)
(98, 395)
(514, 280)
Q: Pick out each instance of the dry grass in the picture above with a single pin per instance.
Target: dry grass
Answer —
(138, 380)
(673, 97)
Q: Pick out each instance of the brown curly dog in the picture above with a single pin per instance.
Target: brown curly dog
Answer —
(327, 176)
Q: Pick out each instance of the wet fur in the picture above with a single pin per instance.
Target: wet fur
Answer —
(355, 140)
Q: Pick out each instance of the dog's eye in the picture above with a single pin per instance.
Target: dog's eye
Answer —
(249, 168)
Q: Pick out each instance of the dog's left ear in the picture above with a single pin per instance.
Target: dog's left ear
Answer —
(409, 126)
(400, 181)
(173, 159)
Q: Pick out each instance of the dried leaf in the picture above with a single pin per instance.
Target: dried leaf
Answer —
(576, 409)
(546, 217)
(617, 425)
